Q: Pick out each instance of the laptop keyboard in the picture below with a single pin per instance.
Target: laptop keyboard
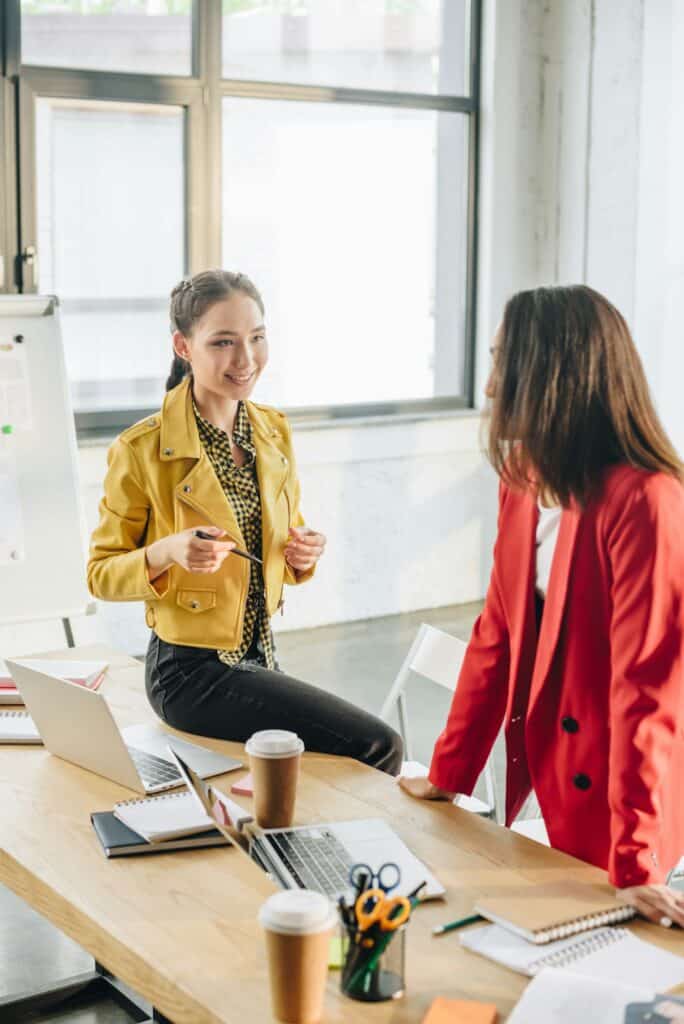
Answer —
(154, 771)
(315, 858)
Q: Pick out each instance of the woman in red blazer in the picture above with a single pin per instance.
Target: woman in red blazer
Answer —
(584, 664)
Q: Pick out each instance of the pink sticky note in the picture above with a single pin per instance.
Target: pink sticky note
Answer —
(243, 787)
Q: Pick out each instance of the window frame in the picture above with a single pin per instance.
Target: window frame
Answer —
(200, 95)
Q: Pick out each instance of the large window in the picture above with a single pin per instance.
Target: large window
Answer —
(325, 147)
(106, 175)
(336, 212)
(417, 46)
(152, 36)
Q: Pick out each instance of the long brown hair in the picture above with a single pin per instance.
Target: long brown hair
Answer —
(570, 396)
(190, 300)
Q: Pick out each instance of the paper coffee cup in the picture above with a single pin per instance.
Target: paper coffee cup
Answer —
(298, 926)
(274, 756)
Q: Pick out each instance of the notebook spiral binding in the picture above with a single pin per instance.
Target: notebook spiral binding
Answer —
(153, 799)
(581, 924)
(578, 950)
(14, 714)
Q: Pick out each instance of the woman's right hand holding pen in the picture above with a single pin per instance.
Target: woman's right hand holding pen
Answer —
(190, 552)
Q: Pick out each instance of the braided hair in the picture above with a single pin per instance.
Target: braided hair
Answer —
(190, 300)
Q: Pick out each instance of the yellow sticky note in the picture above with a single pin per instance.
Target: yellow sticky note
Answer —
(335, 953)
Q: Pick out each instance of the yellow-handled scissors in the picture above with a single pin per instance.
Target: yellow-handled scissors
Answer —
(373, 907)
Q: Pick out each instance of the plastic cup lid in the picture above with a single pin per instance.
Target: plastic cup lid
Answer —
(297, 912)
(274, 743)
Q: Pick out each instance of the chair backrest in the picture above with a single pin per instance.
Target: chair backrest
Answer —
(438, 656)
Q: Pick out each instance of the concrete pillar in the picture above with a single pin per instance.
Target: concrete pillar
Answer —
(613, 158)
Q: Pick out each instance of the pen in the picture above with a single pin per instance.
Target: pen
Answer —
(453, 925)
(236, 551)
(414, 896)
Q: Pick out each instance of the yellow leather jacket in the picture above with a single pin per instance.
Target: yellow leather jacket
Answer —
(160, 481)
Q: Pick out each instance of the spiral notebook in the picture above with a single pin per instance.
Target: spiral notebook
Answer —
(613, 954)
(542, 913)
(160, 818)
(118, 840)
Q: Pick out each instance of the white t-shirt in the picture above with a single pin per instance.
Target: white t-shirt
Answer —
(547, 535)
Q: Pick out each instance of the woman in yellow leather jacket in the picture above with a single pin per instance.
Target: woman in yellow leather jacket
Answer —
(212, 461)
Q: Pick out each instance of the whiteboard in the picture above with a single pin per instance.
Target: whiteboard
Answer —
(42, 526)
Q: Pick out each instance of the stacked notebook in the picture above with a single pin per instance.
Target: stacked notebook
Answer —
(568, 927)
(156, 824)
(86, 673)
(18, 726)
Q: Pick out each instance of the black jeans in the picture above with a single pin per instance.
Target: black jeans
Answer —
(190, 689)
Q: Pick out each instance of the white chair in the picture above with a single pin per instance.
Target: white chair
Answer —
(530, 822)
(532, 828)
(437, 656)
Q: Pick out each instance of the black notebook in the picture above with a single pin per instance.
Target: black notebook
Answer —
(118, 840)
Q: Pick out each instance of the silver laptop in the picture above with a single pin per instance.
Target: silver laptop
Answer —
(75, 723)
(317, 857)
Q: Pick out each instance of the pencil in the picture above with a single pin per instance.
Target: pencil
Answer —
(453, 925)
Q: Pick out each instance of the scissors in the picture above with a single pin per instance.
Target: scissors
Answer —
(386, 878)
(374, 908)
(382, 916)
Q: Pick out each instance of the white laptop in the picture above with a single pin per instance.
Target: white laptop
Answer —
(76, 724)
(317, 857)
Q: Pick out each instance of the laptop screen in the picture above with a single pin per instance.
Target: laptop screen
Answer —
(225, 813)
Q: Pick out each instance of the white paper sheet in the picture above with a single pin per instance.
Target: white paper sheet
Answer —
(561, 997)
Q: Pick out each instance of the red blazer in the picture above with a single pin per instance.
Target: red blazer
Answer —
(594, 705)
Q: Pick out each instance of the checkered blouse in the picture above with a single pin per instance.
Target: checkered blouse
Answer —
(241, 488)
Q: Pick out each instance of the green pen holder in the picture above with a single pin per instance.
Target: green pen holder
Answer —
(374, 975)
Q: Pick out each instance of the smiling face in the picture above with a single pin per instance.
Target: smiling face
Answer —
(227, 348)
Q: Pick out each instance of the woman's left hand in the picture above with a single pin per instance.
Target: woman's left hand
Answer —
(304, 548)
(657, 903)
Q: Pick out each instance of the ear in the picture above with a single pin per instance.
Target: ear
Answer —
(181, 345)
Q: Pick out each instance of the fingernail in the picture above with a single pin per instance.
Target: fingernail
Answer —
(666, 922)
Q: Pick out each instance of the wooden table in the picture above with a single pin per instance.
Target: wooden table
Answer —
(181, 929)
